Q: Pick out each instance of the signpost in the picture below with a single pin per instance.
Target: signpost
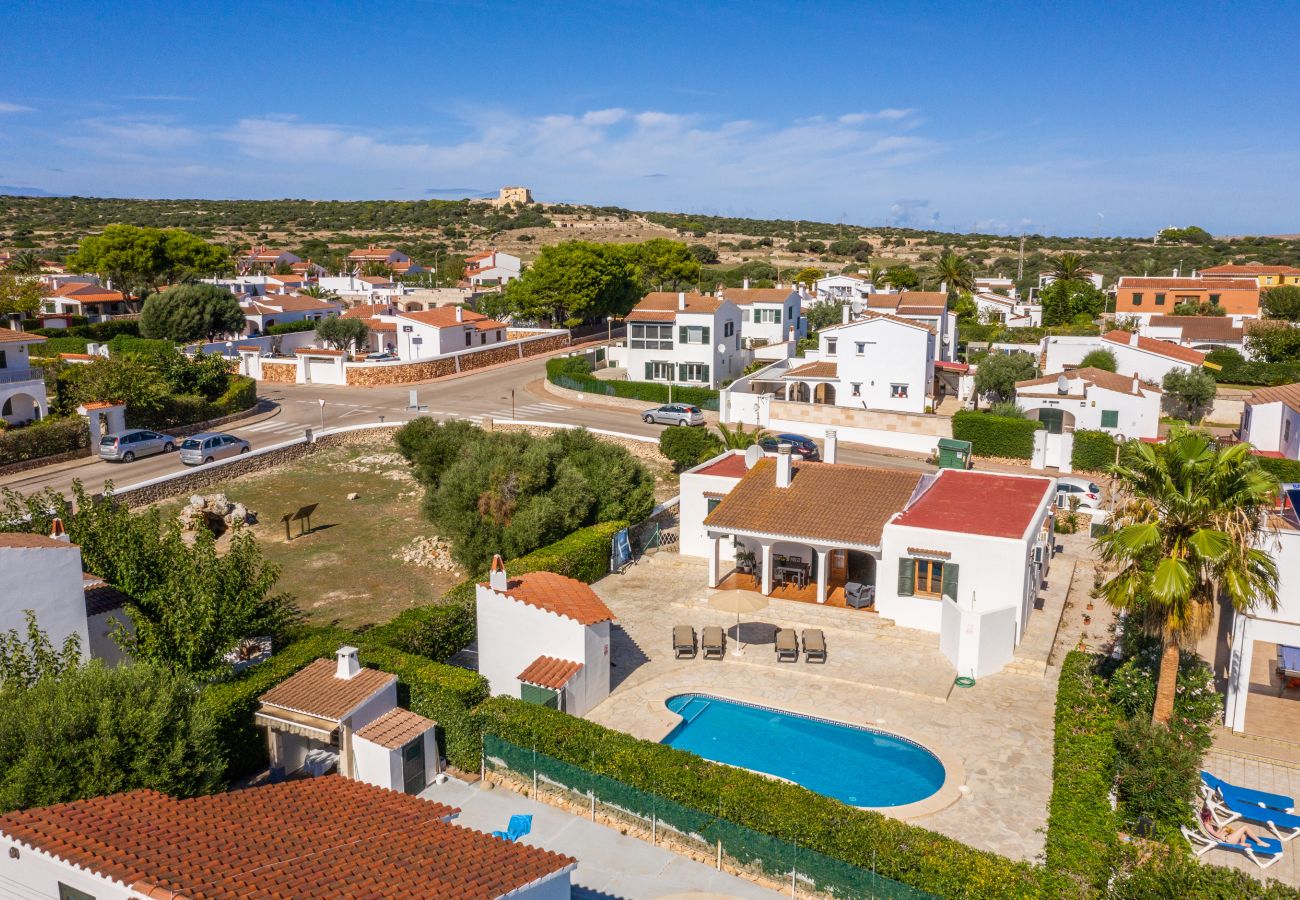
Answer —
(302, 517)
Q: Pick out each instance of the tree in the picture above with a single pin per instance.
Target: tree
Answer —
(809, 276)
(875, 274)
(138, 259)
(25, 262)
(1068, 267)
(320, 293)
(575, 282)
(1273, 340)
(95, 730)
(342, 333)
(998, 373)
(1199, 309)
(661, 264)
(1282, 302)
(20, 293)
(704, 254)
(1189, 391)
(824, 313)
(25, 660)
(902, 278)
(1099, 359)
(956, 272)
(738, 438)
(191, 312)
(688, 447)
(126, 378)
(1064, 300)
(1186, 532)
(1192, 234)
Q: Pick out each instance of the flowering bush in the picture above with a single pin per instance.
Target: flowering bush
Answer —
(1197, 706)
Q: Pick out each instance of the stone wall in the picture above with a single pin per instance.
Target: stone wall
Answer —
(404, 373)
(279, 372)
(26, 464)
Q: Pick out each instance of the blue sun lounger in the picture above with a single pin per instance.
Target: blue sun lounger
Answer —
(1230, 792)
(518, 827)
(1263, 852)
(1284, 825)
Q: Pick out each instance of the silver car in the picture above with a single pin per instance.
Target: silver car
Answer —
(674, 414)
(124, 446)
(211, 446)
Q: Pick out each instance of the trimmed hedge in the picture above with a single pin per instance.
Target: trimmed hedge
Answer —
(991, 435)
(186, 409)
(1082, 828)
(56, 345)
(905, 853)
(127, 343)
(292, 327)
(1178, 876)
(1094, 451)
(44, 438)
(1286, 471)
(563, 372)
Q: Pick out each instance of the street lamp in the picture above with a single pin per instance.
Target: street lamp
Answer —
(1120, 441)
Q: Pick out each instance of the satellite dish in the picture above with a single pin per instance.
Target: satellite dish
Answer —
(1062, 384)
(722, 348)
(753, 453)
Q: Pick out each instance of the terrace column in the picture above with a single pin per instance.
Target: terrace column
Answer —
(767, 568)
(823, 575)
(1243, 652)
(713, 561)
(786, 396)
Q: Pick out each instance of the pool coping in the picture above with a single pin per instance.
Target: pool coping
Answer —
(954, 772)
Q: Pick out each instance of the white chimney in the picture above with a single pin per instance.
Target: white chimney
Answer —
(746, 284)
(497, 579)
(460, 314)
(58, 533)
(1132, 338)
(845, 312)
(832, 446)
(681, 299)
(348, 664)
(784, 466)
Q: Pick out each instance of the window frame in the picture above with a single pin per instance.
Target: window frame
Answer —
(898, 391)
(641, 337)
(1112, 415)
(831, 346)
(934, 577)
(1137, 298)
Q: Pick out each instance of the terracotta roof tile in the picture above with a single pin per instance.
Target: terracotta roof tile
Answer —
(818, 369)
(1250, 269)
(1188, 284)
(872, 315)
(549, 672)
(978, 503)
(25, 541)
(445, 317)
(666, 301)
(1160, 348)
(1110, 381)
(746, 296)
(317, 691)
(9, 336)
(396, 728)
(369, 310)
(730, 466)
(314, 837)
(827, 502)
(560, 595)
(1201, 328)
(1283, 393)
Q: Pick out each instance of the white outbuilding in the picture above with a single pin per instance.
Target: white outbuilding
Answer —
(1086, 399)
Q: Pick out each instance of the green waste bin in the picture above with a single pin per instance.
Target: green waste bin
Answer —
(954, 454)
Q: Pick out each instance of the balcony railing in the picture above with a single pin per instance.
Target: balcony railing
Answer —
(10, 376)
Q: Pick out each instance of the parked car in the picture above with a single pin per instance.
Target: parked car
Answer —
(124, 446)
(381, 356)
(1089, 493)
(800, 445)
(211, 446)
(674, 414)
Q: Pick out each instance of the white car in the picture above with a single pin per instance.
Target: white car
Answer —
(1088, 492)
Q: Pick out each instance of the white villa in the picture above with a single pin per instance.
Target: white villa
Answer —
(768, 315)
(688, 339)
(263, 258)
(928, 308)
(397, 262)
(543, 638)
(1271, 421)
(22, 388)
(1198, 332)
(262, 312)
(362, 288)
(1009, 311)
(446, 329)
(492, 268)
(959, 553)
(1091, 399)
(847, 286)
(1151, 359)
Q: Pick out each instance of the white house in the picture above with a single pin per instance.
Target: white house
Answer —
(492, 268)
(277, 309)
(1271, 421)
(1198, 332)
(1088, 399)
(768, 315)
(89, 299)
(395, 261)
(1151, 359)
(995, 284)
(929, 308)
(543, 638)
(397, 751)
(362, 288)
(264, 259)
(1009, 311)
(447, 329)
(22, 388)
(847, 286)
(690, 339)
(315, 837)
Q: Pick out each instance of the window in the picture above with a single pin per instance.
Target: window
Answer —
(658, 371)
(1137, 298)
(926, 578)
(4, 360)
(1214, 299)
(728, 329)
(830, 346)
(860, 347)
(929, 577)
(693, 372)
(499, 334)
(898, 391)
(482, 338)
(1286, 431)
(857, 388)
(713, 504)
(71, 893)
(651, 337)
(693, 334)
(1110, 418)
(1160, 299)
(768, 316)
(789, 313)
(469, 339)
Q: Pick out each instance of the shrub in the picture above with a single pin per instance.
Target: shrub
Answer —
(563, 372)
(996, 435)
(687, 447)
(125, 343)
(291, 327)
(1158, 772)
(1286, 471)
(1099, 359)
(906, 853)
(1081, 827)
(56, 345)
(44, 438)
(1170, 872)
(1094, 451)
(186, 409)
(1234, 369)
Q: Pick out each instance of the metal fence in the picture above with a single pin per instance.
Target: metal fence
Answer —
(681, 828)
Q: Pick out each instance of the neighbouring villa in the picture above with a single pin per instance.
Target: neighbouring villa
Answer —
(22, 388)
(959, 553)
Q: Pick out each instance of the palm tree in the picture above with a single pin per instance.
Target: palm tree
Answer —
(738, 438)
(876, 274)
(1068, 267)
(25, 262)
(956, 271)
(320, 293)
(1187, 531)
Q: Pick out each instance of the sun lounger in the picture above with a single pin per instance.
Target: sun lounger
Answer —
(1246, 795)
(814, 645)
(684, 644)
(1283, 825)
(787, 645)
(1263, 852)
(714, 642)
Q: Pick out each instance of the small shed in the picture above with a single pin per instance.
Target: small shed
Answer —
(398, 751)
(954, 454)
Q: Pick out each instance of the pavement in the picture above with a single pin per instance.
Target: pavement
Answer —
(610, 865)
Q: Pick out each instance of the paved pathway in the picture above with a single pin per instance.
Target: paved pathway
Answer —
(610, 864)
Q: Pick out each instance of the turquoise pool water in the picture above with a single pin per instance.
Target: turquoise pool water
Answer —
(859, 766)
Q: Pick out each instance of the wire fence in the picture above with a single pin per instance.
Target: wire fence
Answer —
(683, 829)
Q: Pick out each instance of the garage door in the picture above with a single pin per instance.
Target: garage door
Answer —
(322, 371)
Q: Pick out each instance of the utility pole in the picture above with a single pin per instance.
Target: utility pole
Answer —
(1020, 264)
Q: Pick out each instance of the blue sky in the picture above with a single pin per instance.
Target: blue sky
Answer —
(1055, 118)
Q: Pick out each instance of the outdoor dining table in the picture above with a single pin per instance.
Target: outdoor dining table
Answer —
(797, 572)
(1288, 666)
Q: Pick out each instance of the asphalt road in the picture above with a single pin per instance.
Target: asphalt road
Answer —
(503, 393)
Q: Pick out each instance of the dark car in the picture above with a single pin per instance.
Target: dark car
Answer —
(800, 445)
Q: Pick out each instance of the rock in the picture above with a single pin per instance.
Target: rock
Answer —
(354, 496)
(216, 512)
(196, 501)
(429, 553)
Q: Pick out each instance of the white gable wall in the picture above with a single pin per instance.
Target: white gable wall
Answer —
(47, 580)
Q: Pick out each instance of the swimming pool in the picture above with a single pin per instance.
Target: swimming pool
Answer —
(859, 766)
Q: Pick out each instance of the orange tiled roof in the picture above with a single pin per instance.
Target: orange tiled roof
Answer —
(314, 837)
(9, 336)
(819, 369)
(1160, 348)
(560, 595)
(1188, 284)
(1250, 269)
(369, 310)
(662, 305)
(445, 317)
(1282, 393)
(979, 503)
(1110, 381)
(746, 296)
(317, 691)
(396, 728)
(23, 540)
(549, 672)
(1201, 328)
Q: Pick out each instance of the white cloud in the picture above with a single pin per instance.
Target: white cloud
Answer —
(884, 115)
(14, 108)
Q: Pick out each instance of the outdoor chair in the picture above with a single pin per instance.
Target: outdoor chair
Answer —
(814, 645)
(684, 642)
(1284, 825)
(858, 595)
(1263, 852)
(714, 642)
(787, 645)
(519, 826)
(1228, 791)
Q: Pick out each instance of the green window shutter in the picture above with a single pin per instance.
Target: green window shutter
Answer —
(704, 374)
(778, 316)
(681, 334)
(649, 371)
(681, 371)
(1110, 418)
(906, 577)
(758, 317)
(706, 335)
(950, 580)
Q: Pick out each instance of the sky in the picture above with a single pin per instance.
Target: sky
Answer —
(1064, 118)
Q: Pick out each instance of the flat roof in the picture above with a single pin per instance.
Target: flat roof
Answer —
(978, 503)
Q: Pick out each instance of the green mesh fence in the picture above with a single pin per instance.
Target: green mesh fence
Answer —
(665, 822)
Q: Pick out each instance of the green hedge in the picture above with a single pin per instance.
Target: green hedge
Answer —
(45, 438)
(100, 332)
(905, 853)
(1094, 451)
(441, 630)
(1286, 471)
(127, 343)
(995, 435)
(56, 345)
(187, 409)
(292, 327)
(562, 372)
(1176, 875)
(1081, 826)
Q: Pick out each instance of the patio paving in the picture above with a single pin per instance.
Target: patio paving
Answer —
(1261, 773)
(999, 731)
